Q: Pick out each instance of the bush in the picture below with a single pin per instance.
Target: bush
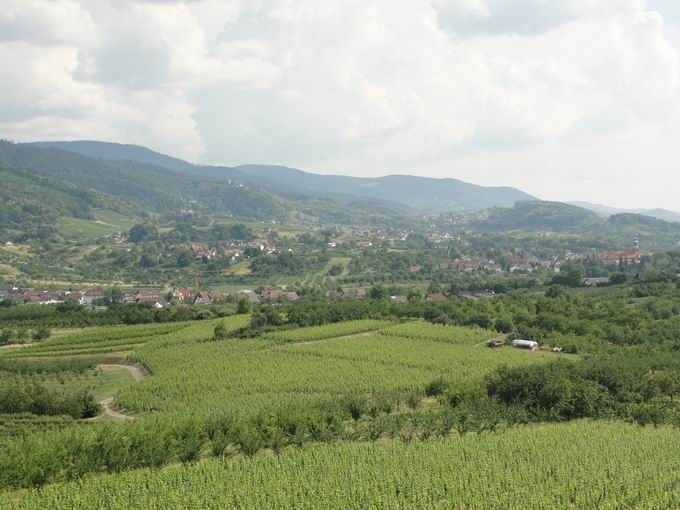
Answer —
(41, 333)
(436, 387)
(244, 307)
(220, 332)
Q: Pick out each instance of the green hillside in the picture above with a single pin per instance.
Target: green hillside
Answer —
(32, 202)
(566, 219)
(537, 215)
(72, 185)
(404, 192)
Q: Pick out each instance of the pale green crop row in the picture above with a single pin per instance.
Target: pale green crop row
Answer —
(580, 465)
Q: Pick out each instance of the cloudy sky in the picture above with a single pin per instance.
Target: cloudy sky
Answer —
(566, 99)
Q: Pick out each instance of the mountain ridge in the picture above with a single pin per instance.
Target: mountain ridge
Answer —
(159, 190)
(415, 194)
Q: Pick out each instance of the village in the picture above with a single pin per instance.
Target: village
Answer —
(237, 251)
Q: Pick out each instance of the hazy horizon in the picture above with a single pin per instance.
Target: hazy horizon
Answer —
(569, 100)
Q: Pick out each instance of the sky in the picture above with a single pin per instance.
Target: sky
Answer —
(564, 99)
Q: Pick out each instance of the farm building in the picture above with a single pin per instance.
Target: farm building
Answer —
(525, 344)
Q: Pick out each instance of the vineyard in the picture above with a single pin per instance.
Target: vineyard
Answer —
(310, 366)
(326, 331)
(581, 465)
(439, 333)
(357, 414)
(100, 340)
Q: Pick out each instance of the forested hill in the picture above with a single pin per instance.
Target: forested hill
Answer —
(563, 218)
(404, 192)
(31, 202)
(125, 184)
(116, 151)
(535, 215)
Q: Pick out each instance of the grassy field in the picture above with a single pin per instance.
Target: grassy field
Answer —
(7, 270)
(106, 223)
(109, 380)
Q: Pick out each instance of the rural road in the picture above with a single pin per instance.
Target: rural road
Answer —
(137, 375)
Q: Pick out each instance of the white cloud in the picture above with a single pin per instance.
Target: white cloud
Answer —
(519, 92)
(45, 22)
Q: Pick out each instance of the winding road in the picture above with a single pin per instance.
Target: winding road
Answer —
(137, 375)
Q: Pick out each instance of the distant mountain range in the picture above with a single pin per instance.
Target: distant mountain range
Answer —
(406, 193)
(41, 183)
(603, 210)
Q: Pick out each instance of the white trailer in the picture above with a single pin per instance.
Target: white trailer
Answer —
(525, 344)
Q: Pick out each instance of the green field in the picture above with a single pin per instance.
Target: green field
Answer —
(106, 223)
(357, 414)
(110, 380)
(309, 367)
(538, 467)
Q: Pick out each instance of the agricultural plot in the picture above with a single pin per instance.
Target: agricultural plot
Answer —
(114, 339)
(580, 465)
(285, 369)
(21, 424)
(456, 364)
(105, 224)
(326, 331)
(439, 333)
(201, 397)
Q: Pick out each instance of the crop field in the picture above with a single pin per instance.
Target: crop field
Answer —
(107, 223)
(19, 424)
(439, 333)
(344, 415)
(309, 366)
(525, 468)
(112, 339)
(326, 331)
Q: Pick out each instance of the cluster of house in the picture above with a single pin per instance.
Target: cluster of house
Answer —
(199, 250)
(37, 296)
(233, 250)
(530, 264)
(88, 296)
(471, 265)
(361, 293)
(365, 237)
(632, 256)
(527, 264)
(155, 297)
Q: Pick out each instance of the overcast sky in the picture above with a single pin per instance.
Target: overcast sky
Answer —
(565, 99)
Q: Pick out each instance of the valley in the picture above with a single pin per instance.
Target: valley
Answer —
(170, 336)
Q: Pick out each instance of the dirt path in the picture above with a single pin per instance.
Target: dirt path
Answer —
(354, 335)
(13, 346)
(137, 375)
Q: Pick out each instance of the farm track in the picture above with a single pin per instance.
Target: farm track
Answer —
(344, 337)
(137, 375)
(13, 346)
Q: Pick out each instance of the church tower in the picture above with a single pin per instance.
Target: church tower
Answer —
(636, 246)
